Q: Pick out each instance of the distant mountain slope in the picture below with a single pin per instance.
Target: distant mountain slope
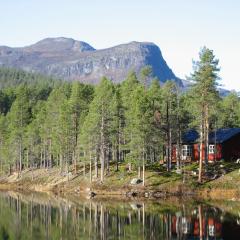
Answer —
(222, 91)
(14, 77)
(74, 60)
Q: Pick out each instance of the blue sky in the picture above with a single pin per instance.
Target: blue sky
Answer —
(179, 27)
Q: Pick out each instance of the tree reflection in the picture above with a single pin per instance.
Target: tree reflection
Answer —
(26, 218)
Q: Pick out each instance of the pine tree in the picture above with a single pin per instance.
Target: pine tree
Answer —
(53, 133)
(155, 143)
(205, 76)
(170, 118)
(97, 125)
(3, 142)
(78, 105)
(146, 74)
(126, 91)
(117, 126)
(19, 117)
(140, 114)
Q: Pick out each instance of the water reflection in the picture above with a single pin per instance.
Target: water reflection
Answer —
(41, 217)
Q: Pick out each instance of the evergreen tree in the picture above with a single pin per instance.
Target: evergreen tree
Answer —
(78, 105)
(146, 74)
(229, 111)
(19, 117)
(97, 127)
(140, 114)
(127, 89)
(170, 118)
(3, 142)
(117, 126)
(53, 132)
(157, 137)
(205, 76)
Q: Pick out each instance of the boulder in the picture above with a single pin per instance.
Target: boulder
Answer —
(135, 181)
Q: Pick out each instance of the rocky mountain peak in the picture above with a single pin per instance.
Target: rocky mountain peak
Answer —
(70, 59)
(59, 44)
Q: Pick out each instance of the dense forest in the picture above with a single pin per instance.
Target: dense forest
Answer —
(46, 122)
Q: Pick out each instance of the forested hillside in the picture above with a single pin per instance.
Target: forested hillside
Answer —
(47, 123)
(10, 77)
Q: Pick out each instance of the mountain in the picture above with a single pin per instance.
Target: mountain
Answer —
(187, 84)
(69, 59)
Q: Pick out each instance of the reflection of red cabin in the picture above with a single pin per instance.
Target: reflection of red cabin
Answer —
(213, 225)
(214, 228)
(223, 144)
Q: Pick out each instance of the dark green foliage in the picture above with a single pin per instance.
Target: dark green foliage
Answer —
(229, 111)
(13, 77)
(46, 122)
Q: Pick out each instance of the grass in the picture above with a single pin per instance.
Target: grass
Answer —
(156, 179)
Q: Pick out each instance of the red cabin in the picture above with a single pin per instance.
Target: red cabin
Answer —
(223, 144)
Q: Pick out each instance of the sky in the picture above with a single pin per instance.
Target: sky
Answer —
(179, 27)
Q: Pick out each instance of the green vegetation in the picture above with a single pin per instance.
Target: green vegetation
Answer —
(12, 77)
(78, 128)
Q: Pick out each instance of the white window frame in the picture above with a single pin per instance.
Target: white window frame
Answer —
(211, 149)
(186, 150)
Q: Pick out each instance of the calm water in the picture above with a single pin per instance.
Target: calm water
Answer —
(44, 217)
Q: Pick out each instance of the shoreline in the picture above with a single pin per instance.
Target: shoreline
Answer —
(117, 185)
(98, 191)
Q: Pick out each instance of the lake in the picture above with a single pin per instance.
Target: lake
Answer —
(40, 216)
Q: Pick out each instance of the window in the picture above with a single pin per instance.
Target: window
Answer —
(186, 151)
(211, 149)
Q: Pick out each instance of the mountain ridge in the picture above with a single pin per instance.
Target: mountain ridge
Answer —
(70, 59)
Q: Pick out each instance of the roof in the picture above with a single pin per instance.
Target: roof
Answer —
(224, 134)
(190, 137)
(220, 136)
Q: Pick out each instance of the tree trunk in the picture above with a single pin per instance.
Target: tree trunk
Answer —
(168, 138)
(44, 156)
(102, 150)
(32, 170)
(20, 157)
(75, 162)
(75, 123)
(119, 144)
(68, 172)
(50, 154)
(41, 158)
(96, 166)
(27, 158)
(107, 158)
(178, 153)
(207, 137)
(143, 173)
(178, 148)
(102, 165)
(84, 169)
(139, 172)
(129, 167)
(201, 153)
(170, 149)
(115, 156)
(90, 167)
(61, 163)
